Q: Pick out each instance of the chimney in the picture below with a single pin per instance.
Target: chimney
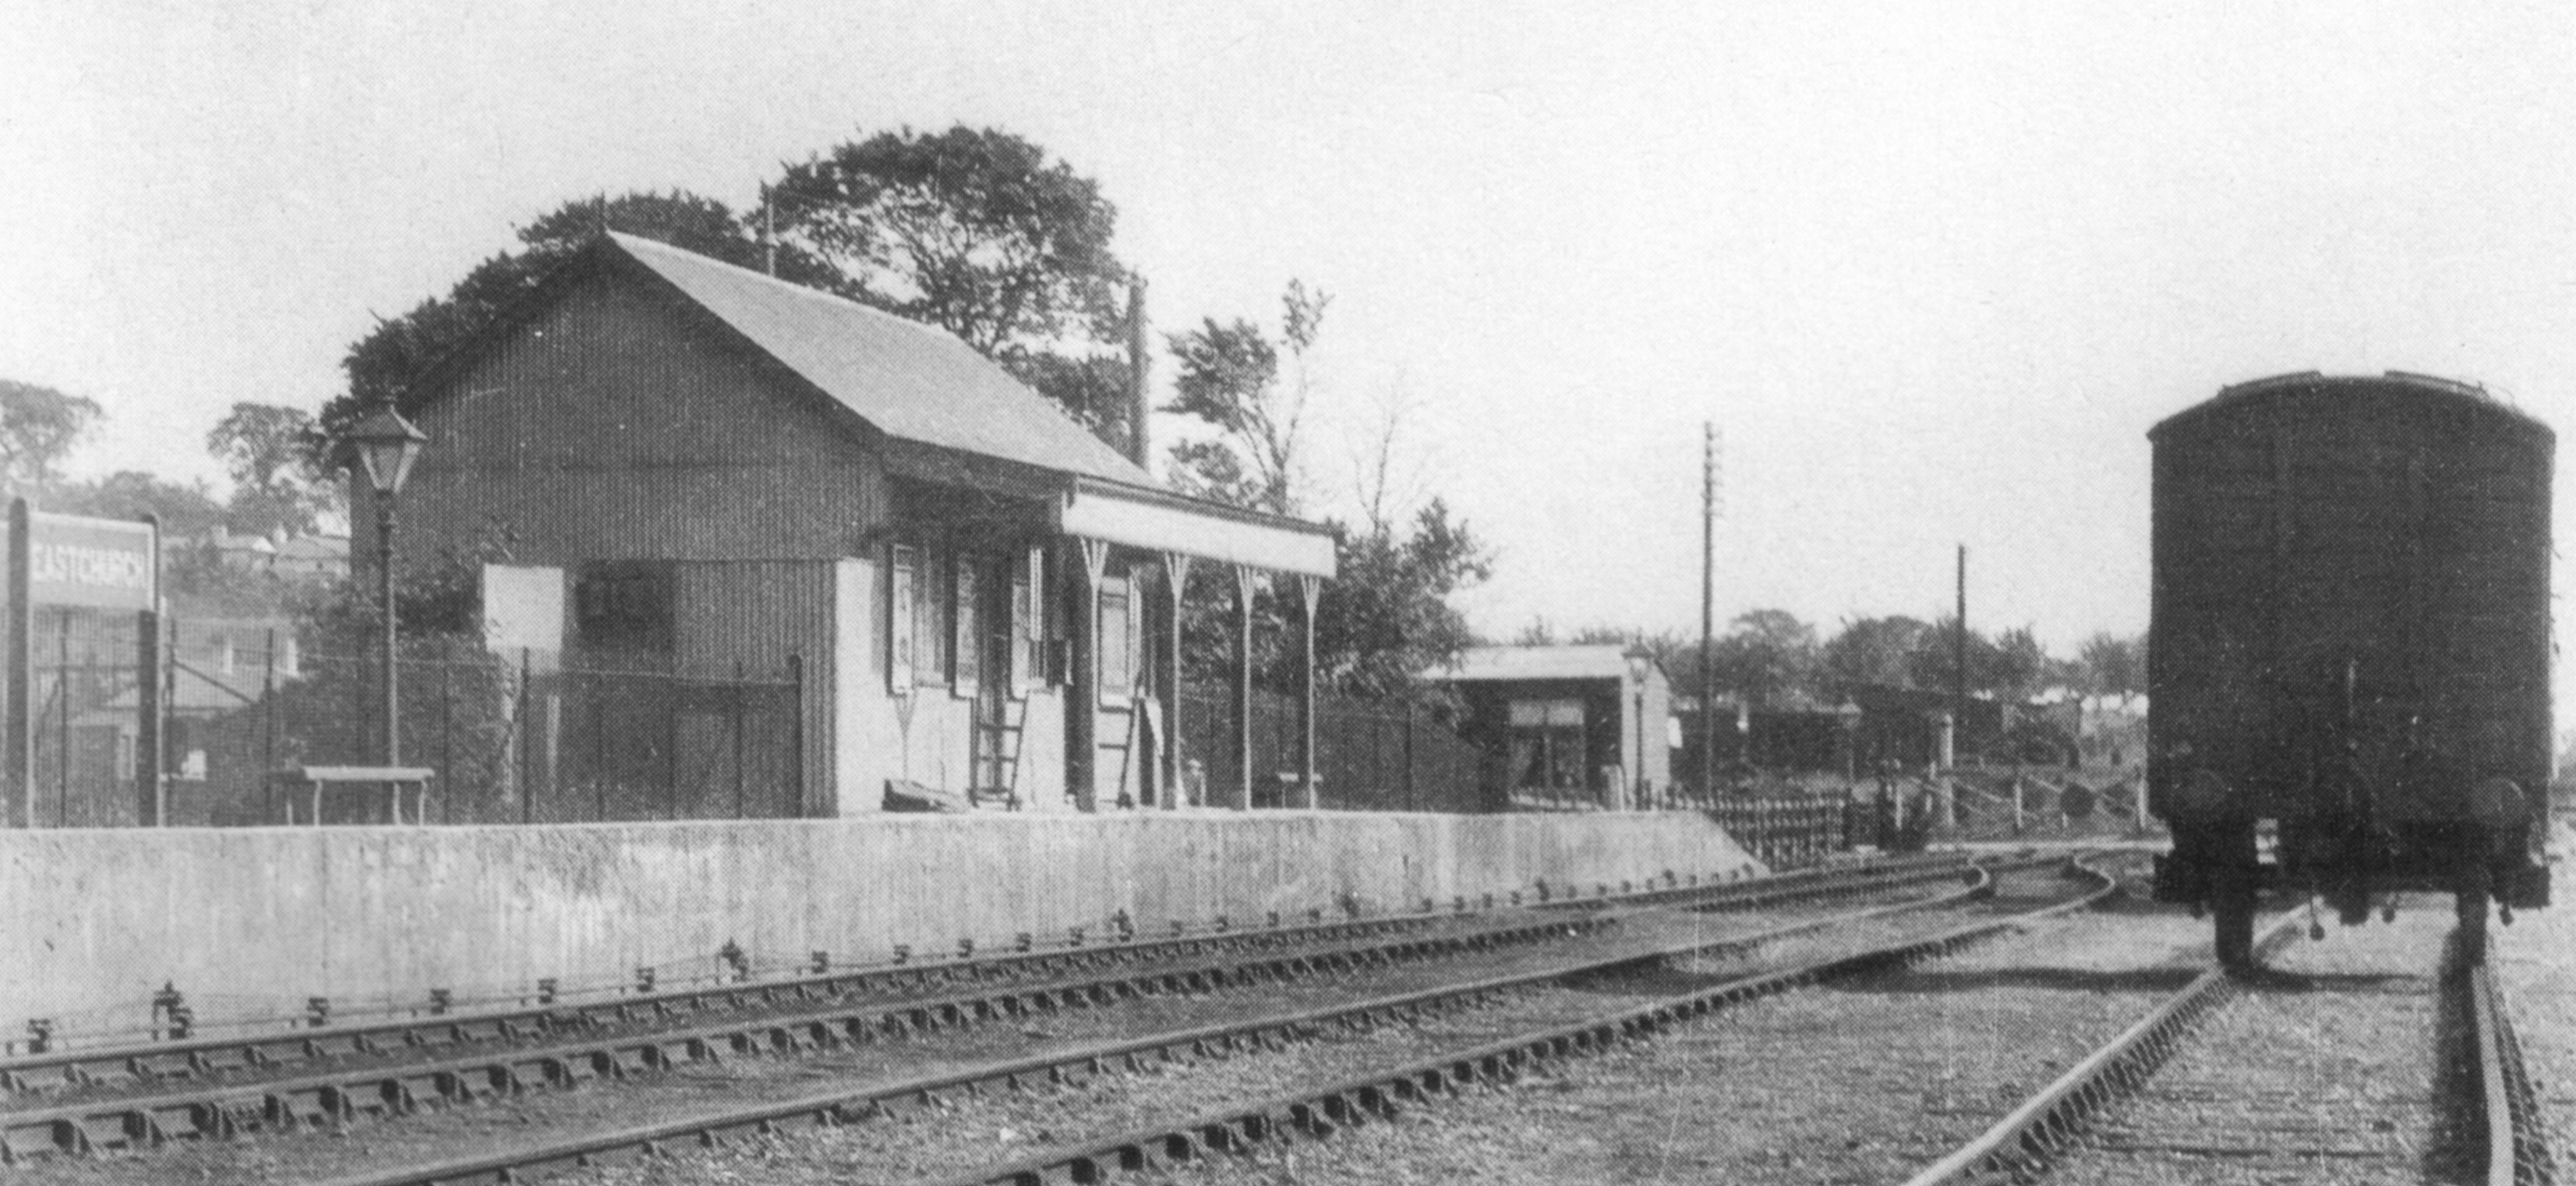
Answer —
(1137, 360)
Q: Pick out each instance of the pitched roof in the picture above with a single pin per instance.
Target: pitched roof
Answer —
(1587, 661)
(911, 381)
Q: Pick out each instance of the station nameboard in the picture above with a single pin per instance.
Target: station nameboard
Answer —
(97, 563)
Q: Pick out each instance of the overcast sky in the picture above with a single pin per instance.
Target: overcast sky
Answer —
(1933, 268)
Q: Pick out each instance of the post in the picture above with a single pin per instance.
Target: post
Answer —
(1139, 357)
(446, 737)
(21, 756)
(1176, 571)
(1959, 655)
(385, 586)
(1410, 803)
(2016, 788)
(63, 734)
(1637, 801)
(1313, 587)
(796, 676)
(1082, 691)
(739, 677)
(1707, 611)
(527, 749)
(1244, 576)
(151, 804)
(267, 729)
(1949, 782)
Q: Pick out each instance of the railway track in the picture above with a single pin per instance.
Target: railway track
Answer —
(2314, 1072)
(1360, 1032)
(219, 1089)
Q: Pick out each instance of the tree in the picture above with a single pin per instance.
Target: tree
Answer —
(269, 450)
(38, 425)
(1387, 619)
(394, 353)
(978, 232)
(130, 494)
(1871, 652)
(1935, 658)
(2021, 665)
(1229, 378)
(1769, 657)
(973, 230)
(2114, 667)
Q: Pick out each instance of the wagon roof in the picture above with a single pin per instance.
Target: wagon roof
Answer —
(2243, 395)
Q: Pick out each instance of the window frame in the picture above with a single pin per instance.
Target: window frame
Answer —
(1027, 623)
(903, 655)
(1123, 691)
(965, 625)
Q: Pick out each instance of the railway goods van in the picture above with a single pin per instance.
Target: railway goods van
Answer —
(2348, 659)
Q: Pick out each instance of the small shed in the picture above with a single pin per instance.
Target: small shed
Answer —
(1578, 724)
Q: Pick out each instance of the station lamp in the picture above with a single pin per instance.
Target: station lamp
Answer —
(1641, 662)
(387, 446)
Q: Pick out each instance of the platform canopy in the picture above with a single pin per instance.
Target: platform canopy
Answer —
(1156, 521)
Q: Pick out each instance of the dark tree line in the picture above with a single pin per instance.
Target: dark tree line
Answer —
(1773, 659)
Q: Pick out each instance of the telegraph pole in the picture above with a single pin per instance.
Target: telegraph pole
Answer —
(1707, 612)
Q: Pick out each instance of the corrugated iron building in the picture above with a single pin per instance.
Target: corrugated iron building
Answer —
(1590, 721)
(732, 471)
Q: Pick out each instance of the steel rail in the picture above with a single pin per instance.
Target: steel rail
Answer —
(568, 1057)
(1319, 1111)
(849, 1105)
(2516, 1152)
(57, 1069)
(135, 1062)
(216, 1111)
(2024, 1139)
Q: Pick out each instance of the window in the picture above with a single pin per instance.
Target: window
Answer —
(626, 605)
(1117, 642)
(965, 622)
(1547, 751)
(902, 592)
(931, 644)
(1026, 579)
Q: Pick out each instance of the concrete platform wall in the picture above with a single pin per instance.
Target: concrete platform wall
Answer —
(258, 919)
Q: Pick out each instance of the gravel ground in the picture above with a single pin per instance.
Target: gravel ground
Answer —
(2326, 1072)
(1861, 1083)
(450, 1133)
(2536, 964)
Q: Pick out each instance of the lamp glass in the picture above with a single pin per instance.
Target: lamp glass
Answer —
(388, 463)
(387, 445)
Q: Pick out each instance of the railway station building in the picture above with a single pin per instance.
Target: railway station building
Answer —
(736, 474)
(1586, 724)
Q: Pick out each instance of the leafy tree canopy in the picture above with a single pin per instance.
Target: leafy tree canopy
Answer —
(974, 230)
(38, 426)
(1873, 651)
(1230, 380)
(1769, 657)
(2114, 666)
(269, 450)
(979, 232)
(398, 349)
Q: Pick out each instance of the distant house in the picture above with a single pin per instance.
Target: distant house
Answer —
(294, 557)
(1581, 723)
(733, 474)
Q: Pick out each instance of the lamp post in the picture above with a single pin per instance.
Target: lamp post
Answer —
(1849, 714)
(1640, 663)
(387, 445)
